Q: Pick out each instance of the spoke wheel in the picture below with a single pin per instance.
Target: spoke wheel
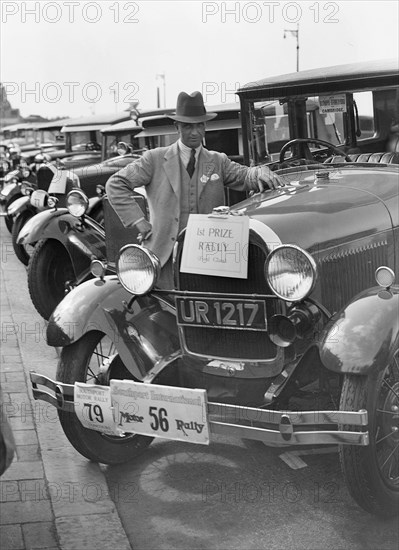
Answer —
(372, 472)
(94, 359)
(49, 271)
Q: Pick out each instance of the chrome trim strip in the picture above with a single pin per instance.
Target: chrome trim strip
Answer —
(298, 438)
(279, 425)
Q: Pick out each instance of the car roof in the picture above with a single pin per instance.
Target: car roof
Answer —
(339, 78)
(20, 126)
(96, 122)
(228, 118)
(125, 125)
(52, 124)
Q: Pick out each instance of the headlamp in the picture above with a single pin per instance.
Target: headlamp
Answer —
(26, 188)
(290, 272)
(122, 148)
(5, 166)
(384, 276)
(77, 203)
(138, 269)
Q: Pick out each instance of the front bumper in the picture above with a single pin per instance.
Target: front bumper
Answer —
(269, 426)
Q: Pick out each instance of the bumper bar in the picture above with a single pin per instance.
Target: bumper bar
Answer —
(270, 426)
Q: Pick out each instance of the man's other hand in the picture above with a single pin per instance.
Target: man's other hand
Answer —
(144, 230)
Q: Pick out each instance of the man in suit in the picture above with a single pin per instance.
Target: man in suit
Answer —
(181, 179)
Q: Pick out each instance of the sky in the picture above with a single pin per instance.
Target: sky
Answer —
(77, 58)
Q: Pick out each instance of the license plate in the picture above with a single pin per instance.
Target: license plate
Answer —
(160, 411)
(231, 314)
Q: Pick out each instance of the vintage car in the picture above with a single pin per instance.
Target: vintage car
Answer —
(48, 139)
(82, 140)
(282, 323)
(5, 162)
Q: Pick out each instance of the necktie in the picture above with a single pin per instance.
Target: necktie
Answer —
(191, 164)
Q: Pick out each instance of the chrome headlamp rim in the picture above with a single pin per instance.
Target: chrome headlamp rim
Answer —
(154, 261)
(309, 259)
(84, 204)
(26, 188)
(384, 276)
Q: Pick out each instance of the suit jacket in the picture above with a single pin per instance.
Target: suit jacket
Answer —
(159, 170)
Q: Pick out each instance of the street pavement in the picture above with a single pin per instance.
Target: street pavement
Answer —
(50, 497)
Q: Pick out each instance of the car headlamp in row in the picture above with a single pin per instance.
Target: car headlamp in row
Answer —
(40, 158)
(290, 272)
(5, 166)
(138, 269)
(77, 203)
(26, 188)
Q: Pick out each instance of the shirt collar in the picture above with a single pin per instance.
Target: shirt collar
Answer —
(187, 150)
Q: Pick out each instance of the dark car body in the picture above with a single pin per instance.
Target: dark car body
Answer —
(304, 349)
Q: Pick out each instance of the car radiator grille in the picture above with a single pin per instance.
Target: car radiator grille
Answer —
(231, 343)
(346, 273)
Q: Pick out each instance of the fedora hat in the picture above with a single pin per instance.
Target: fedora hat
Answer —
(191, 109)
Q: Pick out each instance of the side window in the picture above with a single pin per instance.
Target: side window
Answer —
(327, 113)
(365, 110)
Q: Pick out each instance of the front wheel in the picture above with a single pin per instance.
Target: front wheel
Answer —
(49, 271)
(9, 220)
(94, 360)
(23, 252)
(372, 472)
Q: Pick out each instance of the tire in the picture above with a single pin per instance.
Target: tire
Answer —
(80, 362)
(50, 268)
(22, 252)
(9, 220)
(372, 472)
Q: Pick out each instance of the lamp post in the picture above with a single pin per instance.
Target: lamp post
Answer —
(294, 33)
(161, 75)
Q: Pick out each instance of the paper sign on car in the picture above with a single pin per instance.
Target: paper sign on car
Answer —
(161, 411)
(93, 407)
(332, 104)
(216, 245)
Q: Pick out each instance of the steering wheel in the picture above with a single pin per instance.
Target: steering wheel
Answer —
(307, 153)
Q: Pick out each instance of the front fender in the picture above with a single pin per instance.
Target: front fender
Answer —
(8, 191)
(83, 238)
(18, 206)
(364, 335)
(143, 334)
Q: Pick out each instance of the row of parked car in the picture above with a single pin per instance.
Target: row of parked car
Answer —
(304, 350)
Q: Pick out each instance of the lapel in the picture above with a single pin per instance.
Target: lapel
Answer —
(172, 167)
(206, 167)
